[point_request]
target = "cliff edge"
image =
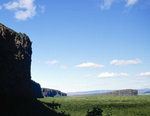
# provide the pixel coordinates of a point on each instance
(15, 63)
(18, 92)
(52, 93)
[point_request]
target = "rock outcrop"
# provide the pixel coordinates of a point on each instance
(15, 63)
(17, 92)
(51, 92)
(36, 89)
(125, 92)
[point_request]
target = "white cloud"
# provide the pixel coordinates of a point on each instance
(106, 74)
(56, 63)
(131, 2)
(11, 5)
(144, 74)
(125, 62)
(89, 65)
(52, 62)
(106, 4)
(23, 9)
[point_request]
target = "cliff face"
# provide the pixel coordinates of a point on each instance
(15, 63)
(51, 92)
(36, 90)
(126, 92)
(17, 90)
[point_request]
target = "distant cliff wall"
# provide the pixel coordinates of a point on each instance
(125, 92)
(51, 92)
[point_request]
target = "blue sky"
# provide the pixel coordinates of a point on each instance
(81, 45)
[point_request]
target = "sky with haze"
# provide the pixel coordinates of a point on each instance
(82, 45)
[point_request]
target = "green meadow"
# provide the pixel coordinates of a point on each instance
(111, 105)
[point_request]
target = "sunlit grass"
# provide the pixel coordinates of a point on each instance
(118, 105)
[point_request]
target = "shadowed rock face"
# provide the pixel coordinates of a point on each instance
(17, 90)
(15, 63)
(51, 92)
(36, 89)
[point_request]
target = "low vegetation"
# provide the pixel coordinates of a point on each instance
(110, 105)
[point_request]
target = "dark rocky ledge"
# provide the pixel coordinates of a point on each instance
(52, 92)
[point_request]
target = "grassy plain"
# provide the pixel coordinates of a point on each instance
(115, 105)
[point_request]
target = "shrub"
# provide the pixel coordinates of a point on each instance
(96, 111)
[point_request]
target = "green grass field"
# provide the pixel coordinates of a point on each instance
(118, 105)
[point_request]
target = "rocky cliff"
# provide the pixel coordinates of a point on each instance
(125, 92)
(17, 90)
(51, 92)
(15, 63)
(36, 89)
